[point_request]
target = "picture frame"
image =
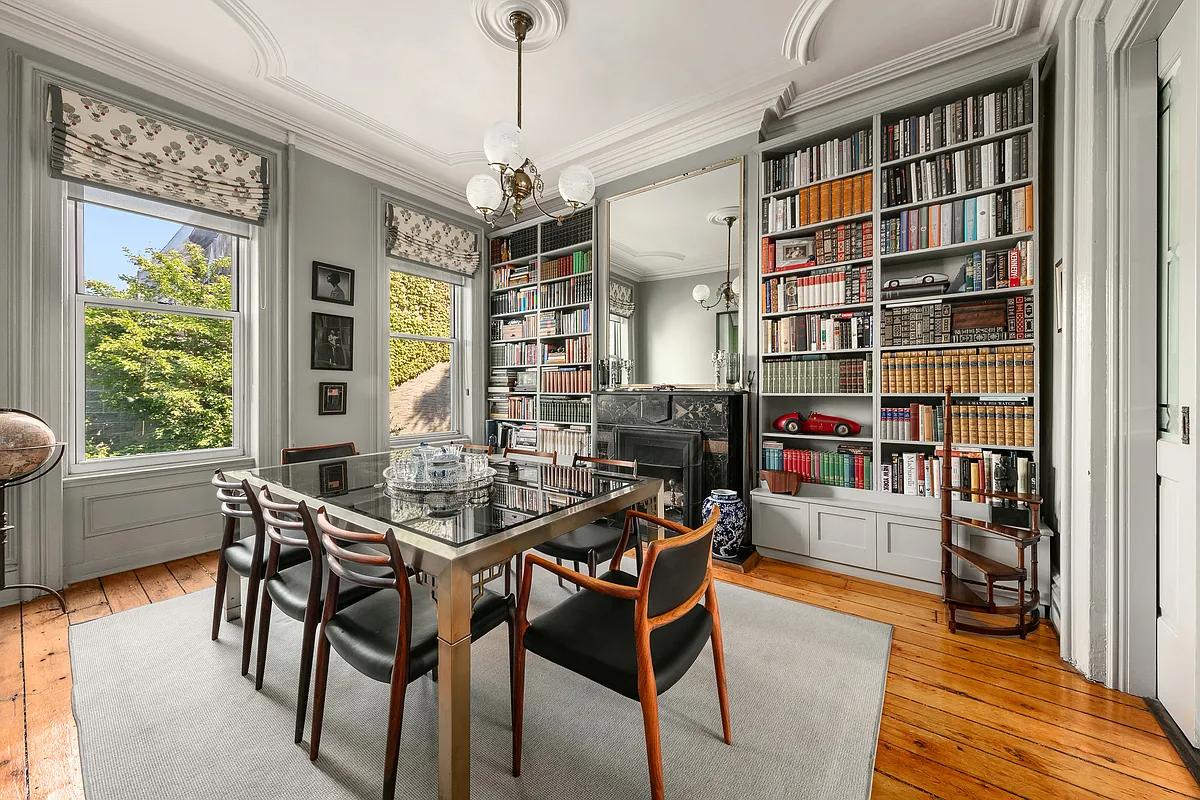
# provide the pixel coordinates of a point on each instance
(332, 342)
(332, 284)
(332, 478)
(332, 399)
(1058, 294)
(794, 252)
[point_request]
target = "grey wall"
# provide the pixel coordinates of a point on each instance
(676, 336)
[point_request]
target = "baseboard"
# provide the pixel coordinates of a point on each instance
(1189, 754)
(742, 567)
(146, 557)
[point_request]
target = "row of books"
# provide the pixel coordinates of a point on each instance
(818, 203)
(554, 409)
(517, 328)
(849, 467)
(817, 375)
(817, 163)
(501, 382)
(502, 434)
(992, 370)
(999, 269)
(961, 121)
(849, 241)
(567, 380)
(514, 300)
(566, 443)
(980, 167)
(568, 351)
(938, 322)
(1001, 424)
(971, 471)
(568, 292)
(821, 288)
(526, 499)
(576, 263)
(514, 355)
(517, 406)
(815, 332)
(560, 322)
(971, 220)
(512, 275)
(576, 479)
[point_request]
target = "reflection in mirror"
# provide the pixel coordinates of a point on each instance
(675, 279)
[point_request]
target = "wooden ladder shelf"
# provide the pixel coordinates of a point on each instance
(961, 593)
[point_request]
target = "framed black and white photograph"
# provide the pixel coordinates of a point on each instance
(332, 342)
(794, 252)
(333, 284)
(333, 399)
(333, 478)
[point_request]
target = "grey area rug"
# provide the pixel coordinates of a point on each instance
(163, 714)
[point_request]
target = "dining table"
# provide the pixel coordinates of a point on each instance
(462, 540)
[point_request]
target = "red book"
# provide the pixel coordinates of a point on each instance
(914, 422)
(858, 472)
(1014, 267)
(766, 257)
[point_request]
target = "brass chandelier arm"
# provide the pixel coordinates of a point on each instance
(538, 188)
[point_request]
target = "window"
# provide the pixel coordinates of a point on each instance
(423, 354)
(618, 336)
(157, 330)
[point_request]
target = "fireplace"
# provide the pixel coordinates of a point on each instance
(673, 454)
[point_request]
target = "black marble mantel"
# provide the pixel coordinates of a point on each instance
(720, 416)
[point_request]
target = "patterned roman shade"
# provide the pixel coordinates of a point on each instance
(620, 299)
(418, 237)
(99, 142)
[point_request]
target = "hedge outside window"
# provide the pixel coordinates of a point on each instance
(423, 355)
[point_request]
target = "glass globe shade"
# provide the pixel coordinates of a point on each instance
(700, 292)
(503, 146)
(577, 185)
(484, 193)
(737, 287)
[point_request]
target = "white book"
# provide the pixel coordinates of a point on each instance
(1018, 210)
(936, 483)
(981, 217)
(1009, 172)
(956, 471)
(885, 477)
(910, 473)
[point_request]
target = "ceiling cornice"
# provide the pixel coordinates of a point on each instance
(629, 252)
(798, 39)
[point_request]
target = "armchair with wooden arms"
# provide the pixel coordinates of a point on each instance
(604, 632)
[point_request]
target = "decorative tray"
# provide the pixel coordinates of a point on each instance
(395, 486)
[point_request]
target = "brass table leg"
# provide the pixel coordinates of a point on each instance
(454, 684)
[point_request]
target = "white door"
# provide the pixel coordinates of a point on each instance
(1178, 305)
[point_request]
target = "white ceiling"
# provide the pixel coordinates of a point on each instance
(411, 86)
(665, 232)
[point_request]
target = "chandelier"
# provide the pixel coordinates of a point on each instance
(728, 291)
(519, 178)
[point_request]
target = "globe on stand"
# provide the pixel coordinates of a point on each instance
(26, 445)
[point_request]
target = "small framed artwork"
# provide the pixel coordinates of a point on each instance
(794, 252)
(333, 478)
(332, 284)
(333, 399)
(332, 342)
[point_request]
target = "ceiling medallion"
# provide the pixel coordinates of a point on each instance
(728, 291)
(494, 18)
(504, 148)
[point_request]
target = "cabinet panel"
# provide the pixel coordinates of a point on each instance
(844, 535)
(781, 527)
(909, 546)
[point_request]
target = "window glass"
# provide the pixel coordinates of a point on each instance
(421, 306)
(422, 355)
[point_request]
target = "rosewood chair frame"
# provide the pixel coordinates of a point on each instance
(644, 625)
(238, 503)
(478, 448)
(531, 456)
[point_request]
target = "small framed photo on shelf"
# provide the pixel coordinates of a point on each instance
(332, 342)
(333, 399)
(332, 477)
(795, 252)
(332, 284)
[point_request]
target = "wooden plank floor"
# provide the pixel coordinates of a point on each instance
(963, 717)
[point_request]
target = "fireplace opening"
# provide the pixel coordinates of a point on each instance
(676, 456)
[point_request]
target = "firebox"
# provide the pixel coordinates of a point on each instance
(674, 455)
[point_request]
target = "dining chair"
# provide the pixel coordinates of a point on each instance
(530, 456)
(478, 448)
(604, 632)
(392, 638)
(246, 555)
(595, 541)
(300, 455)
(297, 591)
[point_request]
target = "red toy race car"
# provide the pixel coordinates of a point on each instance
(796, 422)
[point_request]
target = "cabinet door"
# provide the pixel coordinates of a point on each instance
(842, 535)
(909, 546)
(781, 527)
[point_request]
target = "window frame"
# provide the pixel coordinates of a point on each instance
(78, 300)
(455, 340)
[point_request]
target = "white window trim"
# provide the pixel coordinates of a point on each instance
(245, 265)
(459, 298)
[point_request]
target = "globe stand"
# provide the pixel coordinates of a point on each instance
(5, 527)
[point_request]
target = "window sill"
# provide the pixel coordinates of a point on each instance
(157, 470)
(400, 442)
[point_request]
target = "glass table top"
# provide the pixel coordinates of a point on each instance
(520, 493)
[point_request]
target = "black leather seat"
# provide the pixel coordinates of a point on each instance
(240, 555)
(289, 589)
(575, 545)
(592, 634)
(364, 634)
(301, 455)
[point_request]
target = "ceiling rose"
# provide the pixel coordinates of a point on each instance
(494, 18)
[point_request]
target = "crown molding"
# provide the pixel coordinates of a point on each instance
(629, 252)
(798, 38)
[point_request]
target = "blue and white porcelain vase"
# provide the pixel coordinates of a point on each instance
(731, 527)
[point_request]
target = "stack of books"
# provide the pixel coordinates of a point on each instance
(974, 369)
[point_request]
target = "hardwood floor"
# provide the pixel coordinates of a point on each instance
(964, 716)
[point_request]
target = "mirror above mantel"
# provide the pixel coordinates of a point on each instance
(674, 254)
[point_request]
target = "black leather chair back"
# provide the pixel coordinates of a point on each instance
(300, 455)
(678, 572)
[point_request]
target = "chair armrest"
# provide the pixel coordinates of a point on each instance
(653, 520)
(584, 581)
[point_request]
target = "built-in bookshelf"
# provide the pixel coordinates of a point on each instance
(541, 345)
(899, 255)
